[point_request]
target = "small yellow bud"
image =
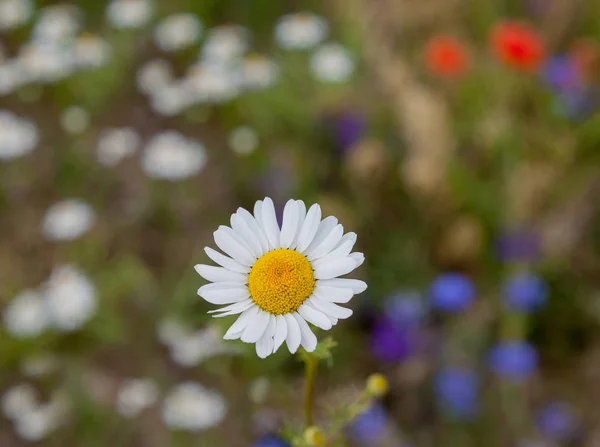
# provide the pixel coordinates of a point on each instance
(377, 385)
(314, 436)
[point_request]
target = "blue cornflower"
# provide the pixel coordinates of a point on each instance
(457, 391)
(556, 420)
(513, 360)
(525, 292)
(349, 129)
(271, 440)
(390, 342)
(452, 292)
(369, 426)
(561, 73)
(405, 308)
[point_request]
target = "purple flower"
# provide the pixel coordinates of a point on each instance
(556, 420)
(457, 391)
(562, 74)
(390, 342)
(271, 440)
(349, 128)
(406, 308)
(451, 292)
(518, 245)
(525, 292)
(513, 360)
(369, 426)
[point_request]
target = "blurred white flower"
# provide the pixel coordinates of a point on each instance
(70, 297)
(170, 330)
(18, 136)
(45, 62)
(258, 71)
(19, 400)
(129, 13)
(74, 119)
(116, 144)
(154, 75)
(67, 220)
(169, 155)
(57, 23)
(331, 62)
(136, 395)
(300, 31)
(177, 31)
(170, 100)
(10, 76)
(40, 421)
(193, 349)
(26, 315)
(190, 406)
(90, 51)
(243, 140)
(14, 13)
(225, 44)
(39, 365)
(212, 83)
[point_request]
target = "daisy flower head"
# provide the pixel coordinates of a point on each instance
(300, 31)
(14, 13)
(332, 63)
(278, 279)
(129, 13)
(177, 32)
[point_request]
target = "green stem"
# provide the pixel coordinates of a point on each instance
(311, 363)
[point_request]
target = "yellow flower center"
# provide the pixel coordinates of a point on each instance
(280, 281)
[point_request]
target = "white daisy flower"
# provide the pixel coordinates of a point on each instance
(170, 100)
(75, 119)
(70, 297)
(46, 62)
(26, 315)
(177, 31)
(116, 144)
(225, 44)
(243, 140)
(19, 400)
(135, 395)
(190, 406)
(279, 279)
(171, 156)
(57, 23)
(14, 13)
(258, 71)
(154, 75)
(90, 51)
(18, 136)
(129, 13)
(331, 62)
(40, 421)
(67, 220)
(300, 31)
(212, 83)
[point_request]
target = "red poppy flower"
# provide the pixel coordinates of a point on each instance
(518, 45)
(446, 56)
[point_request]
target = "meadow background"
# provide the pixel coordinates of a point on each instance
(459, 139)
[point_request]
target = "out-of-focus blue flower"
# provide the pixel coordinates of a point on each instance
(370, 425)
(457, 391)
(562, 74)
(576, 104)
(405, 308)
(556, 420)
(452, 292)
(390, 342)
(349, 128)
(271, 441)
(513, 360)
(518, 245)
(525, 292)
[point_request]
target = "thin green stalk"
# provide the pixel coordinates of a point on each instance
(311, 363)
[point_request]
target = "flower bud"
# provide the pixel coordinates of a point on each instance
(313, 436)
(377, 385)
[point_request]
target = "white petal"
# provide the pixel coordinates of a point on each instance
(220, 274)
(270, 225)
(326, 226)
(359, 258)
(226, 261)
(328, 244)
(314, 316)
(333, 294)
(281, 332)
(333, 320)
(341, 251)
(256, 327)
(264, 346)
(337, 267)
(309, 340)
(289, 229)
(233, 309)
(309, 228)
(356, 285)
(258, 213)
(348, 237)
(228, 243)
(294, 336)
(301, 217)
(243, 230)
(253, 224)
(236, 329)
(330, 309)
(226, 294)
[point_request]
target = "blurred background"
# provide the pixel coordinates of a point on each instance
(458, 138)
